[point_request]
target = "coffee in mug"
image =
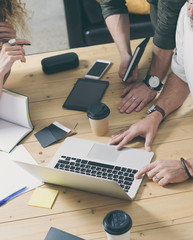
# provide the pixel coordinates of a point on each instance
(117, 225)
(98, 117)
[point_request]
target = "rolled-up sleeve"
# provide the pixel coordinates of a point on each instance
(111, 7)
(167, 16)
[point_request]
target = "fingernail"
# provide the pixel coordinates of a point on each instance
(148, 149)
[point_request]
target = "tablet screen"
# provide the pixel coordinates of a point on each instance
(84, 93)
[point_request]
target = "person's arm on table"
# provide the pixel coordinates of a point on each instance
(161, 171)
(161, 60)
(171, 98)
(166, 171)
(138, 95)
(173, 171)
(119, 26)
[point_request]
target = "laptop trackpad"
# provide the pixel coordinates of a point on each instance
(103, 152)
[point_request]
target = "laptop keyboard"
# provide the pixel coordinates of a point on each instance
(123, 176)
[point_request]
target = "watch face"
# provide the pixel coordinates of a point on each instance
(154, 81)
(151, 109)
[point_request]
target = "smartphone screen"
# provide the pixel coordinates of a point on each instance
(98, 69)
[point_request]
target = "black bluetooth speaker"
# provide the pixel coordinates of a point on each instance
(60, 63)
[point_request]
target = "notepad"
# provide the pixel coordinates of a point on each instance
(43, 197)
(15, 121)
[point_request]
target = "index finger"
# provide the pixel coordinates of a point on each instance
(126, 90)
(128, 136)
(22, 42)
(144, 170)
(5, 24)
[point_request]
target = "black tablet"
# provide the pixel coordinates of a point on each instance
(135, 59)
(84, 93)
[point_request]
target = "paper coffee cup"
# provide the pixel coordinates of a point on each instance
(117, 225)
(98, 117)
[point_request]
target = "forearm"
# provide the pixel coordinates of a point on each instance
(161, 61)
(119, 27)
(173, 94)
(172, 97)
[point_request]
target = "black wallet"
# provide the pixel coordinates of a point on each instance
(60, 63)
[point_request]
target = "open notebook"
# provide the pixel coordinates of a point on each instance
(15, 121)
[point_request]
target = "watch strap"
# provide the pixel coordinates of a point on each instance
(185, 167)
(156, 108)
(159, 109)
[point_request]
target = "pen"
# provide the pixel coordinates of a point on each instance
(15, 194)
(7, 40)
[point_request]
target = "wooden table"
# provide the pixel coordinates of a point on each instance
(157, 212)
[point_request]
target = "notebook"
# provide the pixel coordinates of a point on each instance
(94, 167)
(15, 121)
(135, 59)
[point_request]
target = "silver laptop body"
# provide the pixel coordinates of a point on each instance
(98, 154)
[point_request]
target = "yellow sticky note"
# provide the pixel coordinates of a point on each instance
(43, 197)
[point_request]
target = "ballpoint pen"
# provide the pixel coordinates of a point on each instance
(11, 40)
(11, 196)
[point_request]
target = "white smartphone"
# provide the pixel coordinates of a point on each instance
(98, 69)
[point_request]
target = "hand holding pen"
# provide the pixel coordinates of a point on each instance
(14, 41)
(12, 51)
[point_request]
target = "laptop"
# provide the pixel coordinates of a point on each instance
(94, 167)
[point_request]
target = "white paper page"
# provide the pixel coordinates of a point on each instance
(14, 108)
(13, 177)
(10, 135)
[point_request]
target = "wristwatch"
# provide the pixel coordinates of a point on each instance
(153, 82)
(154, 108)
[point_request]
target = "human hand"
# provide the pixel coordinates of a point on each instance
(123, 68)
(136, 96)
(146, 128)
(8, 55)
(164, 172)
(7, 31)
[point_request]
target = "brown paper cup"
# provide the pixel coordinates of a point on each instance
(99, 127)
(98, 115)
